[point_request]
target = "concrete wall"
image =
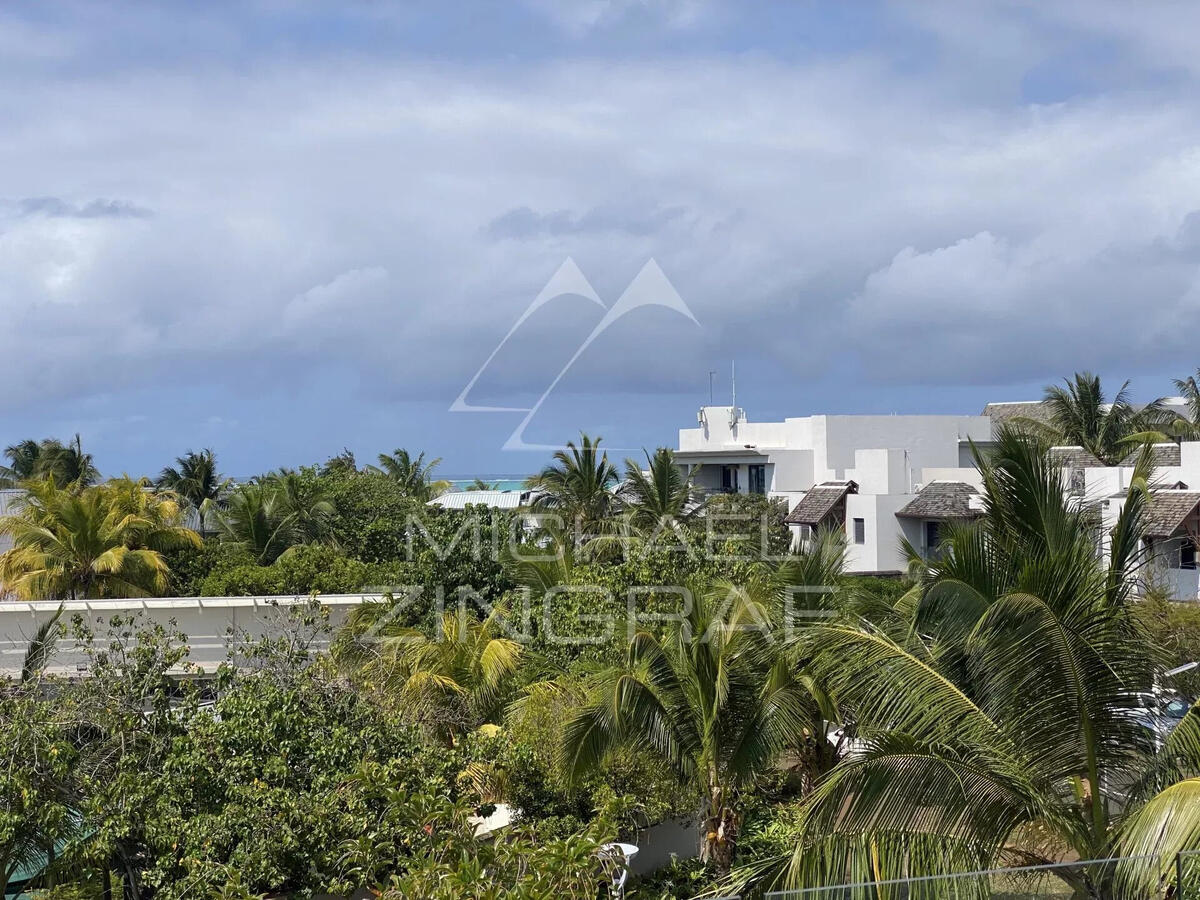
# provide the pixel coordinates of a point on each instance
(880, 552)
(791, 470)
(929, 440)
(969, 476)
(207, 621)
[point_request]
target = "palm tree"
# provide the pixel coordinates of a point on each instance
(413, 474)
(1080, 416)
(270, 516)
(195, 479)
(67, 464)
(480, 485)
(578, 485)
(453, 682)
(89, 543)
(308, 503)
(661, 496)
(1189, 390)
(1005, 708)
(342, 464)
(712, 698)
(22, 462)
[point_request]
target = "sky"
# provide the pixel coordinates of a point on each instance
(281, 229)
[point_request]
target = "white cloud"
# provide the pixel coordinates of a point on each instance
(393, 217)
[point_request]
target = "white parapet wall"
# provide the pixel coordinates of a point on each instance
(208, 623)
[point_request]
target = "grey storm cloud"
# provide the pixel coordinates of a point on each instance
(846, 216)
(56, 207)
(523, 223)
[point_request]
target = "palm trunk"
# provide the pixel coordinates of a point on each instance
(720, 826)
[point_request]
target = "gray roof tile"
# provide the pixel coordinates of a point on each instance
(819, 502)
(944, 500)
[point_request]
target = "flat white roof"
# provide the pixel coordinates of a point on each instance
(122, 604)
(463, 499)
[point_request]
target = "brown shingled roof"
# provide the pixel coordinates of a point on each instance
(1077, 458)
(1167, 510)
(943, 500)
(1002, 413)
(819, 502)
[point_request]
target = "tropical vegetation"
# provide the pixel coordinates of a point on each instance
(596, 664)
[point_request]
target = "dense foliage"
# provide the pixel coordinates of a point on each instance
(623, 653)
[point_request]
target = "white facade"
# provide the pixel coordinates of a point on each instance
(208, 623)
(887, 457)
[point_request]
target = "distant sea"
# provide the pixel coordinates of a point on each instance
(498, 482)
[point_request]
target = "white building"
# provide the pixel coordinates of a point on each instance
(885, 480)
(210, 623)
(859, 473)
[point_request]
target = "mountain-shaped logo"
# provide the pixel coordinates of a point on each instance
(649, 288)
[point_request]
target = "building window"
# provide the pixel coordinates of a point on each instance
(729, 479)
(1187, 555)
(758, 479)
(933, 535)
(1078, 482)
(860, 531)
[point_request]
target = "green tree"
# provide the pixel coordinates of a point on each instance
(451, 682)
(480, 485)
(413, 474)
(196, 480)
(37, 786)
(23, 458)
(712, 698)
(269, 516)
(997, 725)
(67, 464)
(660, 497)
(342, 464)
(1081, 416)
(578, 485)
(1186, 425)
(103, 541)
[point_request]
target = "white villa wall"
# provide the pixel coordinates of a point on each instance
(205, 620)
(716, 433)
(882, 454)
(791, 470)
(880, 551)
(965, 475)
(929, 440)
(880, 472)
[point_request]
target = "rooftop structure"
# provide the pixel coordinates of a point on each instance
(208, 623)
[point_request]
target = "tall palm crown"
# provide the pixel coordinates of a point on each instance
(196, 480)
(270, 516)
(1188, 425)
(22, 462)
(413, 474)
(578, 485)
(67, 464)
(104, 541)
(1080, 415)
(714, 697)
(661, 494)
(451, 682)
(1000, 720)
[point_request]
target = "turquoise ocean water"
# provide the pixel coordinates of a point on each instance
(498, 483)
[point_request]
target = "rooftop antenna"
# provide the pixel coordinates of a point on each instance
(733, 412)
(711, 373)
